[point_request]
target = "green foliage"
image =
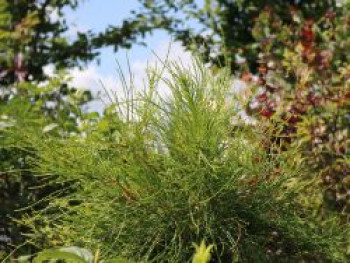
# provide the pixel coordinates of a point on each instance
(50, 108)
(176, 170)
(67, 254)
(31, 38)
(57, 254)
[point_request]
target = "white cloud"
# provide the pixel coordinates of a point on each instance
(164, 51)
(49, 70)
(87, 78)
(98, 83)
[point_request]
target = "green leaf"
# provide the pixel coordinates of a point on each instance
(58, 254)
(50, 127)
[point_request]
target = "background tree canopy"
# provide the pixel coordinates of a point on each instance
(32, 35)
(219, 29)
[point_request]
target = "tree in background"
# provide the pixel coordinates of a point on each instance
(219, 29)
(32, 35)
(303, 84)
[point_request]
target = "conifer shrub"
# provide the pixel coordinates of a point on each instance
(159, 172)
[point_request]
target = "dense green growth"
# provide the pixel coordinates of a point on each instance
(32, 35)
(51, 108)
(176, 169)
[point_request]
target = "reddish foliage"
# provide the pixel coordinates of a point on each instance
(311, 90)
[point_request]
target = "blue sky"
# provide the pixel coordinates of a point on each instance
(97, 15)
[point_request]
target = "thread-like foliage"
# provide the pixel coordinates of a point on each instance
(158, 173)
